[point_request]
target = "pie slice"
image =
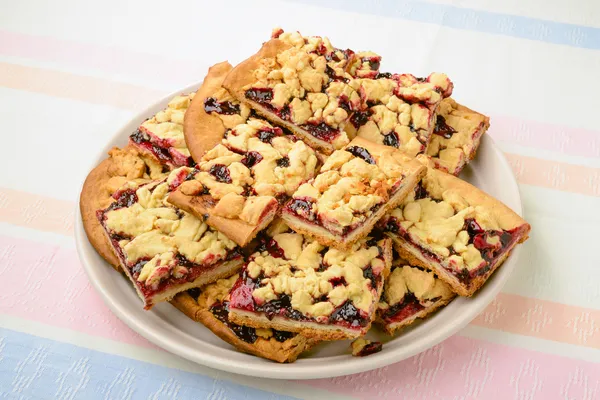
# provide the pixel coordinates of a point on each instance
(238, 185)
(162, 135)
(302, 86)
(457, 133)
(121, 166)
(410, 292)
(164, 250)
(398, 110)
(210, 307)
(452, 228)
(355, 188)
(295, 284)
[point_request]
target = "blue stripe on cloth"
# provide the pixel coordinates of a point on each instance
(34, 367)
(473, 20)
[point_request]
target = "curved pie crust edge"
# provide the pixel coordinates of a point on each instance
(203, 131)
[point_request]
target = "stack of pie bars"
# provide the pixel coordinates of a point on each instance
(299, 197)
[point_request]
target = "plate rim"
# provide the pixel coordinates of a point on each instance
(300, 369)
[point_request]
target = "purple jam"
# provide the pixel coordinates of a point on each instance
(391, 139)
(270, 245)
(359, 118)
(221, 311)
(371, 348)
(283, 162)
(349, 314)
(125, 198)
(361, 152)
(321, 131)
(442, 128)
(221, 173)
(368, 274)
(302, 207)
(409, 305)
(221, 107)
(260, 95)
(251, 159)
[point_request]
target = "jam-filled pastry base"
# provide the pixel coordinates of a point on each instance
(162, 249)
(456, 136)
(454, 229)
(210, 306)
(354, 189)
(294, 284)
(410, 293)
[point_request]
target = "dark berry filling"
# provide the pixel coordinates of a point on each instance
(385, 75)
(303, 208)
(251, 159)
(391, 139)
(321, 131)
(282, 336)
(359, 118)
(283, 162)
(137, 267)
(266, 135)
(374, 62)
(221, 311)
(221, 107)
(420, 191)
(159, 150)
(349, 314)
(371, 348)
(221, 173)
(270, 245)
(442, 128)
(337, 281)
(123, 198)
(332, 75)
(368, 274)
(194, 292)
(409, 306)
(260, 95)
(361, 152)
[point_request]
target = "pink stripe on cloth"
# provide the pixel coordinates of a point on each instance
(47, 284)
(539, 135)
(103, 58)
(464, 368)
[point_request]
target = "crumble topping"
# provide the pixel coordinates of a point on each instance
(316, 278)
(351, 185)
(165, 129)
(398, 111)
(154, 234)
(444, 223)
(218, 291)
(254, 166)
(456, 136)
(423, 284)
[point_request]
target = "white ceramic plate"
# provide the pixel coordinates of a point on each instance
(173, 331)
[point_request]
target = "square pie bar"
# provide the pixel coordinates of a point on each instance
(162, 135)
(301, 86)
(295, 284)
(162, 249)
(457, 133)
(398, 110)
(410, 292)
(210, 307)
(238, 185)
(454, 229)
(355, 188)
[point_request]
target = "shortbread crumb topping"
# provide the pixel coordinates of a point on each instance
(423, 284)
(350, 186)
(316, 278)
(151, 233)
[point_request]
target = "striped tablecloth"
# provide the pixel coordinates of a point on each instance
(72, 72)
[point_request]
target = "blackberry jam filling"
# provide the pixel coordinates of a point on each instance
(282, 336)
(359, 118)
(361, 152)
(221, 173)
(409, 305)
(283, 162)
(348, 314)
(391, 139)
(321, 131)
(125, 198)
(371, 348)
(266, 135)
(194, 292)
(270, 245)
(260, 95)
(251, 159)
(368, 274)
(442, 128)
(224, 107)
(221, 311)
(281, 307)
(303, 208)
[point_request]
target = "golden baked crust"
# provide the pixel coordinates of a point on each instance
(121, 166)
(355, 188)
(457, 135)
(204, 130)
(410, 294)
(455, 229)
(265, 344)
(297, 285)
